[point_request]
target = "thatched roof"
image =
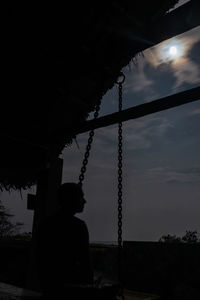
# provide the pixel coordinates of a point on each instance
(58, 62)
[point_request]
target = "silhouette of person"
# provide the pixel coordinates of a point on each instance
(63, 243)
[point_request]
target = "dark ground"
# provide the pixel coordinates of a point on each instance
(169, 270)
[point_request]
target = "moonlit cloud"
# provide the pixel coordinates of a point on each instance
(164, 50)
(161, 162)
(186, 72)
(183, 67)
(175, 176)
(139, 81)
(195, 111)
(138, 134)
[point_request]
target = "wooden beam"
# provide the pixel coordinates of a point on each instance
(178, 21)
(142, 110)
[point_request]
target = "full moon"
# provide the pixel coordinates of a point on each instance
(173, 50)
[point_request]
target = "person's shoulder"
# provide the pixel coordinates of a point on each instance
(82, 229)
(79, 221)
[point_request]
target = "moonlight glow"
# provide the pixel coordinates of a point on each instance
(171, 50)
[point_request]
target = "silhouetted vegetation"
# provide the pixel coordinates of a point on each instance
(189, 237)
(25, 236)
(15, 254)
(8, 228)
(171, 270)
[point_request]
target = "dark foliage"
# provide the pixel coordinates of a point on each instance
(8, 228)
(189, 237)
(59, 61)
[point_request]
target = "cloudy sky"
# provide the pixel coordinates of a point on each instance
(161, 169)
(161, 151)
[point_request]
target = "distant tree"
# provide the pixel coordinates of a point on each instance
(170, 239)
(26, 236)
(7, 228)
(189, 237)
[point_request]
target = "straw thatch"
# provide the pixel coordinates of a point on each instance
(58, 62)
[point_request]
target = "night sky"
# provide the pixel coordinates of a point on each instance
(161, 169)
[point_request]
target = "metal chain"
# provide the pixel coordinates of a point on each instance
(88, 147)
(120, 171)
(120, 187)
(84, 167)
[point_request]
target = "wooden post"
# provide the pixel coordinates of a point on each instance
(45, 204)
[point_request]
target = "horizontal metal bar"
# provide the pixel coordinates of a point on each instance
(142, 110)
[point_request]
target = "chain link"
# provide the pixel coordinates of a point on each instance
(120, 189)
(120, 165)
(120, 186)
(88, 147)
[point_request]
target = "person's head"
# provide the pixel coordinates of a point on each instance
(71, 197)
